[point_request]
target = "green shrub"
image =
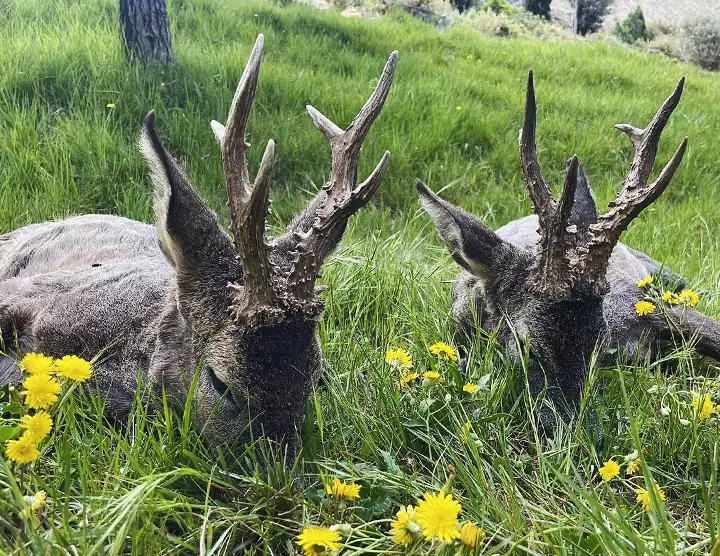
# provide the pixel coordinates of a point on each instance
(633, 28)
(498, 7)
(538, 7)
(701, 42)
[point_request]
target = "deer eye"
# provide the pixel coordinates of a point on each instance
(220, 387)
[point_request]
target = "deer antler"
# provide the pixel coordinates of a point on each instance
(635, 195)
(256, 299)
(341, 196)
(553, 273)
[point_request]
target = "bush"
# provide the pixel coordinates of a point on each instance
(539, 7)
(633, 28)
(590, 15)
(701, 42)
(498, 7)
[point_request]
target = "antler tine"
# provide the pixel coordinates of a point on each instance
(248, 203)
(537, 187)
(553, 271)
(635, 194)
(341, 196)
(646, 140)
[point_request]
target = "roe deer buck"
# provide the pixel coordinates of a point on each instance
(558, 284)
(179, 296)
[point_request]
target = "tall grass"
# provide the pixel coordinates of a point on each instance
(151, 487)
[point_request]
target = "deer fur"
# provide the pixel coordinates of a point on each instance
(557, 285)
(183, 296)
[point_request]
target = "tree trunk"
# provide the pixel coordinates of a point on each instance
(146, 31)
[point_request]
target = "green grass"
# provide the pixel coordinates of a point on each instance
(152, 487)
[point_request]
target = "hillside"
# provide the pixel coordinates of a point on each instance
(70, 112)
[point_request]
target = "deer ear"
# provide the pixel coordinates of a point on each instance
(190, 235)
(472, 244)
(584, 210)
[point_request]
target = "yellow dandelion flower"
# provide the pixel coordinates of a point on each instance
(407, 378)
(437, 515)
(703, 406)
(470, 388)
(433, 376)
(645, 282)
(36, 502)
(316, 541)
(110, 105)
(609, 470)
(458, 108)
(643, 496)
(37, 364)
(443, 351)
(37, 426)
(633, 466)
(74, 368)
(689, 298)
(643, 308)
(670, 298)
(40, 391)
(471, 535)
(404, 528)
(340, 489)
(22, 450)
(464, 431)
(398, 358)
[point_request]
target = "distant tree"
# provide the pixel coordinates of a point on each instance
(539, 7)
(701, 42)
(589, 15)
(146, 31)
(462, 5)
(633, 28)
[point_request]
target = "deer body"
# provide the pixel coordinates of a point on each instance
(558, 285)
(185, 298)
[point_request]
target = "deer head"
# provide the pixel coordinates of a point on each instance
(547, 300)
(245, 307)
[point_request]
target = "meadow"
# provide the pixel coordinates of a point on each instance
(70, 113)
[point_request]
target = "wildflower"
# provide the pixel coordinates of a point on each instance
(340, 489)
(433, 375)
(643, 496)
(74, 368)
(653, 389)
(37, 364)
(443, 351)
(703, 406)
(398, 358)
(643, 308)
(684, 422)
(645, 282)
(458, 108)
(470, 388)
(40, 391)
(664, 410)
(316, 541)
(633, 466)
(464, 431)
(670, 298)
(404, 528)
(110, 105)
(407, 378)
(471, 535)
(22, 450)
(36, 502)
(609, 470)
(689, 298)
(437, 514)
(37, 426)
